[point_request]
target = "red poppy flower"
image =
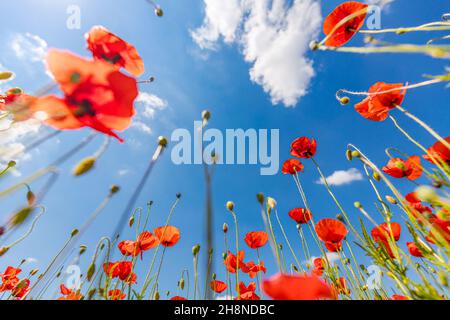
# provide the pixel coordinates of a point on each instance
(319, 266)
(247, 292)
(399, 297)
(167, 236)
(398, 168)
(254, 269)
(218, 286)
(377, 105)
(96, 95)
(122, 270)
(347, 30)
(145, 241)
(178, 298)
(416, 204)
(440, 229)
(231, 262)
(439, 151)
(304, 147)
(106, 46)
(289, 287)
(256, 239)
(341, 287)
(383, 232)
(21, 289)
(292, 166)
(414, 250)
(69, 294)
(18, 104)
(300, 215)
(9, 278)
(116, 294)
(332, 232)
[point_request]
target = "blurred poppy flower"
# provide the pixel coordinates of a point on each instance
(231, 262)
(116, 294)
(414, 250)
(348, 29)
(383, 232)
(300, 215)
(178, 298)
(332, 232)
(319, 266)
(69, 294)
(247, 292)
(416, 204)
(168, 236)
(18, 104)
(292, 166)
(254, 269)
(21, 289)
(218, 286)
(439, 151)
(440, 229)
(377, 105)
(145, 241)
(256, 239)
(398, 168)
(303, 147)
(108, 47)
(399, 297)
(341, 287)
(9, 278)
(96, 95)
(289, 287)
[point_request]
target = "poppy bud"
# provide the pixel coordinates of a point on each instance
(114, 189)
(31, 198)
(314, 45)
(391, 200)
(271, 202)
(162, 141)
(157, 296)
(206, 115)
(83, 249)
(3, 250)
(295, 268)
(348, 155)
(74, 233)
(131, 221)
(214, 276)
(225, 228)
(210, 251)
(90, 272)
(182, 283)
(280, 246)
(91, 293)
(178, 195)
(358, 205)
(6, 75)
(340, 218)
(224, 256)
(84, 166)
(159, 12)
(12, 164)
(33, 272)
(196, 249)
(230, 205)
(22, 284)
(260, 198)
(21, 216)
(356, 154)
(376, 176)
(344, 100)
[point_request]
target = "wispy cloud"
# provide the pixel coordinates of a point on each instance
(150, 104)
(274, 36)
(142, 127)
(343, 177)
(29, 47)
(12, 135)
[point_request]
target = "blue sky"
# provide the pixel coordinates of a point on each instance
(190, 79)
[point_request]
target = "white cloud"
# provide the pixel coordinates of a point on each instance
(151, 103)
(332, 258)
(139, 125)
(342, 177)
(30, 47)
(12, 135)
(274, 37)
(123, 172)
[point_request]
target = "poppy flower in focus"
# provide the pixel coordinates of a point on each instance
(414, 250)
(300, 215)
(256, 239)
(145, 241)
(383, 232)
(108, 47)
(377, 105)
(439, 151)
(292, 166)
(289, 287)
(116, 294)
(178, 298)
(232, 264)
(254, 269)
(319, 266)
(218, 286)
(9, 278)
(122, 270)
(304, 147)
(398, 168)
(347, 30)
(332, 232)
(247, 292)
(96, 95)
(168, 236)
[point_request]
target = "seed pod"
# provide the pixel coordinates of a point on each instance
(391, 200)
(348, 155)
(162, 141)
(271, 202)
(84, 166)
(206, 115)
(114, 189)
(12, 164)
(74, 232)
(196, 249)
(3, 251)
(182, 283)
(344, 100)
(358, 205)
(260, 198)
(230, 205)
(131, 221)
(83, 249)
(159, 12)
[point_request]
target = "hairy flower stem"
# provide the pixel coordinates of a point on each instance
(277, 248)
(237, 251)
(195, 276)
(432, 26)
(152, 291)
(436, 51)
(287, 239)
(227, 272)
